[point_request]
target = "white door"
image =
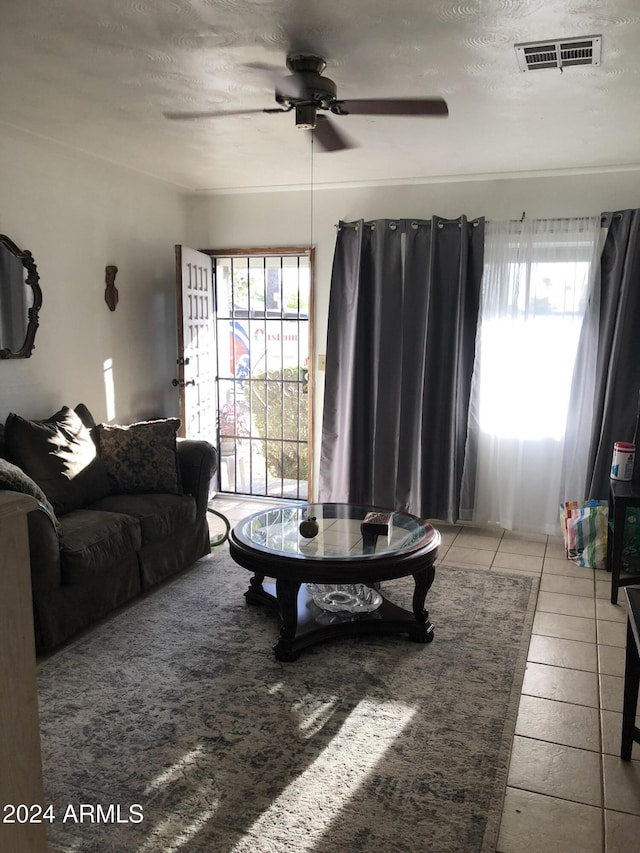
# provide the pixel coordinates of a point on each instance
(196, 379)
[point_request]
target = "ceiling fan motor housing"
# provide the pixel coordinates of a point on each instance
(308, 87)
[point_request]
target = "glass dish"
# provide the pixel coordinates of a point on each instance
(352, 598)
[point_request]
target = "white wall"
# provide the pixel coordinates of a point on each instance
(263, 219)
(77, 215)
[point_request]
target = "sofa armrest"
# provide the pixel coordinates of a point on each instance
(198, 461)
(44, 551)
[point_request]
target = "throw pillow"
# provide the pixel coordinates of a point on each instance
(15, 480)
(59, 454)
(142, 457)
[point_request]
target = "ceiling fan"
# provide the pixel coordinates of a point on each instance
(307, 92)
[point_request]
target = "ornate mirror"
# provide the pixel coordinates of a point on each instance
(20, 300)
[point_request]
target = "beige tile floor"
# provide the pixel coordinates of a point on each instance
(567, 789)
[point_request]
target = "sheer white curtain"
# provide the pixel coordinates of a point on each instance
(539, 295)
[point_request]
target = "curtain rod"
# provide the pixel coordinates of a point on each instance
(415, 223)
(603, 217)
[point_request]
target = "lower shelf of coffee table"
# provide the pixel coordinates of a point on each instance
(315, 625)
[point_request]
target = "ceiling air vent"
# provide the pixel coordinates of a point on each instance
(560, 53)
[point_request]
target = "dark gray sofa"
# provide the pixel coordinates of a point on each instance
(120, 510)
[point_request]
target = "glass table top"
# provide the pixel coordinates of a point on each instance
(340, 532)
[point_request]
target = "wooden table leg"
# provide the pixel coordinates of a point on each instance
(630, 704)
(423, 579)
(256, 594)
(287, 595)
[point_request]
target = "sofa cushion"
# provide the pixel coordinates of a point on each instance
(93, 541)
(141, 457)
(159, 515)
(15, 480)
(59, 454)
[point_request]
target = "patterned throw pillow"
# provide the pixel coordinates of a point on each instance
(15, 480)
(142, 457)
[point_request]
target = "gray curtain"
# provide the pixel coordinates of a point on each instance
(400, 347)
(618, 360)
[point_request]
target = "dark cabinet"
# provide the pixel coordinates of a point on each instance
(624, 566)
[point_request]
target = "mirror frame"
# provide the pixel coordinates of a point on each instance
(33, 280)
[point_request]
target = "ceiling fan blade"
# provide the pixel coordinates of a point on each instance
(213, 114)
(286, 84)
(328, 136)
(396, 107)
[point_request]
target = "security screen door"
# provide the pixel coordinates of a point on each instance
(263, 322)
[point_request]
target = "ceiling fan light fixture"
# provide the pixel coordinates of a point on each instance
(305, 116)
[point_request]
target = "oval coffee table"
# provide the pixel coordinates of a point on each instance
(350, 549)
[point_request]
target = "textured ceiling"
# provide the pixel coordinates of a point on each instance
(98, 74)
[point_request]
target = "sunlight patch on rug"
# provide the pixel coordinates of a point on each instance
(314, 712)
(172, 773)
(318, 795)
(172, 835)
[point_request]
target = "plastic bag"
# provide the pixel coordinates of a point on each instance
(584, 527)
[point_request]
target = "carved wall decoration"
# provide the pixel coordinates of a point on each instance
(111, 292)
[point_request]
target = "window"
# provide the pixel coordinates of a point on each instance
(537, 281)
(528, 347)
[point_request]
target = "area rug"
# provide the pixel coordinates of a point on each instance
(171, 728)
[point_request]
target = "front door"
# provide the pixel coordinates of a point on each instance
(196, 345)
